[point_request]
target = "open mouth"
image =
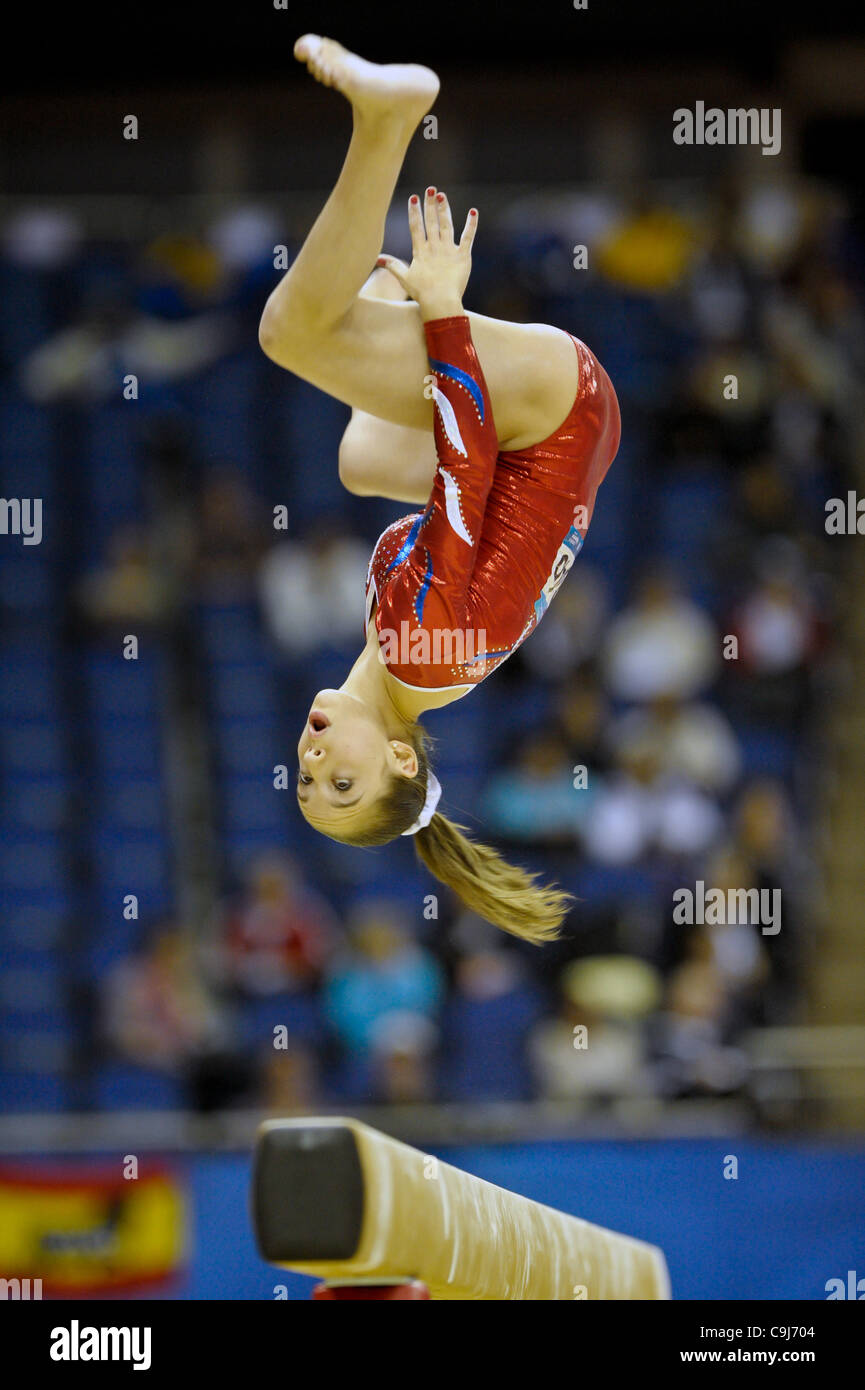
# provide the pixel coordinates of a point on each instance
(318, 722)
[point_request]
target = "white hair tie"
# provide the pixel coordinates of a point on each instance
(433, 795)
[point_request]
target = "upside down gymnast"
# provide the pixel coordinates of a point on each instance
(505, 458)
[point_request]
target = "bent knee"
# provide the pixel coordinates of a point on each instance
(291, 334)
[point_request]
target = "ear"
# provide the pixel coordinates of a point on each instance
(402, 758)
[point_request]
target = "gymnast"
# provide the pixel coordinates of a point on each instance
(502, 432)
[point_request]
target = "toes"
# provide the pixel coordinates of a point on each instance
(305, 46)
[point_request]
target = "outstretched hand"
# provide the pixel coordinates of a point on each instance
(440, 267)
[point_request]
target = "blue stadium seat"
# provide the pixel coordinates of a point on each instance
(126, 745)
(35, 804)
(230, 633)
(767, 752)
(128, 803)
(252, 804)
(35, 916)
(32, 861)
(223, 420)
(127, 864)
(28, 682)
(119, 687)
(25, 582)
(251, 747)
(300, 1014)
(243, 691)
(484, 1057)
(32, 1092)
(34, 747)
(120, 1086)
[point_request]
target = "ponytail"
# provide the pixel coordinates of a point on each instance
(502, 893)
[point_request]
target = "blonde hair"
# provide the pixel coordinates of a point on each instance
(501, 893)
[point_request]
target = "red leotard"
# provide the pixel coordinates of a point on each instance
(500, 530)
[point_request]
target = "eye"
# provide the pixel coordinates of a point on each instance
(303, 779)
(342, 785)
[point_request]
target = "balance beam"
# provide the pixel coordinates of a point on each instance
(337, 1199)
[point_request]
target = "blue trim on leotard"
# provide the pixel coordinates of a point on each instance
(406, 547)
(458, 375)
(424, 588)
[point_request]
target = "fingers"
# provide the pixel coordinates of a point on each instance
(435, 222)
(431, 215)
(446, 226)
(469, 230)
(396, 267)
(415, 224)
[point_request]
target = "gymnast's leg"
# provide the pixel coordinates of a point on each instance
(369, 353)
(376, 457)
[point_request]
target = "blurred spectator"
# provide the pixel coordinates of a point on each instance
(312, 590)
(779, 634)
(403, 1046)
(572, 628)
(535, 800)
(158, 1012)
(693, 1057)
(231, 539)
(743, 276)
(662, 645)
(641, 810)
(594, 1048)
(89, 361)
(129, 587)
(691, 741)
(767, 836)
(281, 933)
(288, 1079)
(737, 943)
(764, 827)
(696, 1059)
(650, 250)
(42, 238)
(582, 715)
(817, 330)
(382, 972)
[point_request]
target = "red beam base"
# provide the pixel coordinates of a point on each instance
(343, 1292)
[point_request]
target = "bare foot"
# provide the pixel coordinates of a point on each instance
(382, 285)
(374, 89)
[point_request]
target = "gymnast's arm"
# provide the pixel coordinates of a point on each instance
(465, 433)
(467, 447)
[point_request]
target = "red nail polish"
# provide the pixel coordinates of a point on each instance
(440, 197)
(430, 192)
(473, 212)
(414, 198)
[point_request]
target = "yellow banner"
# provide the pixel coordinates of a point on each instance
(81, 1231)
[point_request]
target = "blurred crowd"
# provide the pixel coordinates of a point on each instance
(681, 671)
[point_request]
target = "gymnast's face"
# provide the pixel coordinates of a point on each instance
(345, 761)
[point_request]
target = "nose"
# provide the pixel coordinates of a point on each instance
(313, 754)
